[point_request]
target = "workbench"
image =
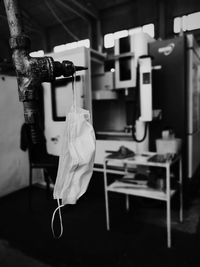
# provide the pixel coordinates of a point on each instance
(148, 192)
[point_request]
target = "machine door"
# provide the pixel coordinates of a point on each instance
(193, 96)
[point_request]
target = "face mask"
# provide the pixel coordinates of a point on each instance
(76, 159)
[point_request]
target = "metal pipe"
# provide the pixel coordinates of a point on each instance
(14, 17)
(31, 71)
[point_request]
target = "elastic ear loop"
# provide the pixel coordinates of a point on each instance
(60, 206)
(74, 91)
(60, 217)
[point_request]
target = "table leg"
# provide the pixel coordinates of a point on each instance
(168, 207)
(181, 190)
(127, 196)
(127, 203)
(106, 198)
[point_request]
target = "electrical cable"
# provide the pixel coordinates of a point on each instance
(60, 21)
(144, 136)
(136, 112)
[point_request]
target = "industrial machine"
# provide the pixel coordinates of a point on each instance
(121, 112)
(156, 87)
(113, 110)
(176, 90)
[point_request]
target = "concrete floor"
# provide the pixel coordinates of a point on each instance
(11, 257)
(137, 238)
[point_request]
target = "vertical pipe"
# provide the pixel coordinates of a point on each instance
(168, 206)
(106, 195)
(127, 202)
(20, 45)
(14, 17)
(181, 189)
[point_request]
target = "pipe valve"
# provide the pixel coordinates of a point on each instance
(66, 68)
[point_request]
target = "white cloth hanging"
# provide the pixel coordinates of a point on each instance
(76, 160)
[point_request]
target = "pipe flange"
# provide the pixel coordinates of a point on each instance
(30, 116)
(21, 41)
(43, 69)
(50, 61)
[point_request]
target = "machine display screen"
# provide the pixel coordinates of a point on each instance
(146, 78)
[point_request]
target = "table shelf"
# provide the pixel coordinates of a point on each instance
(148, 192)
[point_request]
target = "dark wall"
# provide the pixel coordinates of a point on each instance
(5, 53)
(129, 15)
(57, 35)
(183, 7)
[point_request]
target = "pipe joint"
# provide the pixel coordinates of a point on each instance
(28, 93)
(42, 69)
(20, 42)
(31, 114)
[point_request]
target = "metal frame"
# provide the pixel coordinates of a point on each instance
(155, 194)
